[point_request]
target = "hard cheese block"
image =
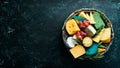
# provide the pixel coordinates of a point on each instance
(98, 20)
(72, 27)
(98, 37)
(90, 30)
(106, 36)
(77, 51)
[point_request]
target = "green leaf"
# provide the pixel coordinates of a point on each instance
(98, 31)
(98, 56)
(102, 46)
(78, 41)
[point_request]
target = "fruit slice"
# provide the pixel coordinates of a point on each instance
(98, 37)
(90, 30)
(77, 51)
(98, 20)
(106, 36)
(87, 41)
(72, 27)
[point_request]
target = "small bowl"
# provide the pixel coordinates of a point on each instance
(105, 18)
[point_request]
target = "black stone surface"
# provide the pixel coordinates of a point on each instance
(30, 33)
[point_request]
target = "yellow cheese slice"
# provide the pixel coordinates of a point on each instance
(77, 51)
(98, 37)
(72, 27)
(82, 14)
(101, 50)
(106, 36)
(91, 19)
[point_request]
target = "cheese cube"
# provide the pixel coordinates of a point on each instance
(77, 51)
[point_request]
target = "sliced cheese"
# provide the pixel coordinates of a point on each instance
(82, 14)
(72, 27)
(77, 51)
(106, 36)
(87, 41)
(90, 18)
(90, 30)
(100, 50)
(71, 42)
(98, 37)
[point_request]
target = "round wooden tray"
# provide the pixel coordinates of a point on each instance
(105, 18)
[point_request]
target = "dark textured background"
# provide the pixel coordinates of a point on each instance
(30, 33)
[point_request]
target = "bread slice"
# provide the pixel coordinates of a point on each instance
(72, 27)
(98, 37)
(77, 51)
(106, 36)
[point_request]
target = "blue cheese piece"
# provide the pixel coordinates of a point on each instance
(90, 30)
(71, 42)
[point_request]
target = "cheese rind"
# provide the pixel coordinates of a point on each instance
(90, 30)
(77, 51)
(72, 27)
(71, 42)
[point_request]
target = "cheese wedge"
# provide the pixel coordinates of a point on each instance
(98, 37)
(82, 14)
(90, 30)
(77, 51)
(87, 41)
(106, 36)
(72, 27)
(90, 18)
(100, 50)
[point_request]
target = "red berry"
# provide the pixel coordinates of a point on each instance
(85, 23)
(80, 37)
(83, 34)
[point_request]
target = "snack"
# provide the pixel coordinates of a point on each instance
(98, 37)
(98, 20)
(72, 27)
(87, 34)
(87, 42)
(106, 36)
(92, 50)
(77, 51)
